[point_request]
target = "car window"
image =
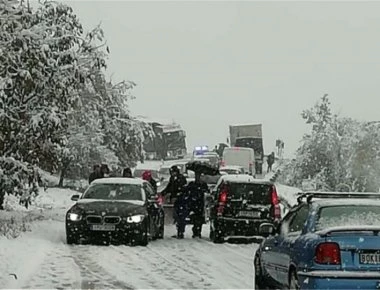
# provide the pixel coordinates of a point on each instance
(347, 215)
(254, 193)
(114, 192)
(298, 221)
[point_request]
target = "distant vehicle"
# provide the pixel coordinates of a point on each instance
(213, 157)
(125, 210)
(327, 241)
(232, 169)
(237, 156)
(200, 150)
(168, 141)
(240, 205)
(249, 136)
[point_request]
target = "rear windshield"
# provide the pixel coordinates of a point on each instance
(347, 215)
(254, 193)
(114, 192)
(231, 171)
(139, 172)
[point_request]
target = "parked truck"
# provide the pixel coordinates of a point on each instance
(249, 136)
(167, 140)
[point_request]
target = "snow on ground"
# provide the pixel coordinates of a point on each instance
(41, 258)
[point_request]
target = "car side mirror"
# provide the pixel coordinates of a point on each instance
(267, 229)
(75, 197)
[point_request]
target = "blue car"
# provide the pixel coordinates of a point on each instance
(327, 241)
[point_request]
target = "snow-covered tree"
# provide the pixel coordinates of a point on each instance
(337, 153)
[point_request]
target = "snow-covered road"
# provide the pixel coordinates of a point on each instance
(42, 259)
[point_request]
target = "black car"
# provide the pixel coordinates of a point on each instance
(240, 205)
(126, 210)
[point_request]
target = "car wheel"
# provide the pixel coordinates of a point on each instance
(259, 277)
(293, 281)
(71, 240)
(144, 240)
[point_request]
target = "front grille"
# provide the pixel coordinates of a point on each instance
(112, 219)
(94, 219)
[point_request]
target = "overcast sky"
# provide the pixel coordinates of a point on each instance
(208, 65)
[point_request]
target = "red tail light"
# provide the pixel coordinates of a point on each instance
(223, 197)
(328, 254)
(274, 196)
(275, 203)
(222, 201)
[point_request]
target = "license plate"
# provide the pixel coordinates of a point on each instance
(370, 259)
(253, 214)
(103, 227)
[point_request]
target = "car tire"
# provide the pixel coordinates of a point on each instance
(293, 281)
(215, 236)
(259, 276)
(70, 240)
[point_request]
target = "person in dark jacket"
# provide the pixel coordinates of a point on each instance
(104, 170)
(176, 185)
(147, 175)
(196, 191)
(176, 189)
(96, 174)
(270, 161)
(127, 172)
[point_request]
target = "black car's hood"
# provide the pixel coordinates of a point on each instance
(109, 207)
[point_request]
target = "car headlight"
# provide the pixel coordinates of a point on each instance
(74, 217)
(158, 183)
(135, 218)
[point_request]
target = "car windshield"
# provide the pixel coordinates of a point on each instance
(347, 215)
(114, 192)
(139, 172)
(254, 193)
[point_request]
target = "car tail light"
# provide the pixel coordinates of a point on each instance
(275, 203)
(222, 201)
(328, 254)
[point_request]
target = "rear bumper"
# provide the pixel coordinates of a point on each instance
(339, 280)
(239, 227)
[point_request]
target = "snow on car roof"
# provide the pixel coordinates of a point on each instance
(118, 180)
(149, 165)
(346, 201)
(236, 167)
(243, 178)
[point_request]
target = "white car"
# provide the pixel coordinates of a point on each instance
(232, 169)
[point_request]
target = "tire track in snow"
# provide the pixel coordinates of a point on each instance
(93, 275)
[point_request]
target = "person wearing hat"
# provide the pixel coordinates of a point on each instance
(147, 176)
(96, 174)
(127, 172)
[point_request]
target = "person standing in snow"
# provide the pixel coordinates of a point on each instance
(147, 175)
(270, 161)
(176, 189)
(176, 185)
(96, 174)
(127, 172)
(196, 191)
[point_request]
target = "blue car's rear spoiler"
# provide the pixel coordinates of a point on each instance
(364, 228)
(310, 195)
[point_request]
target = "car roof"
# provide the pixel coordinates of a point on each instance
(243, 178)
(119, 180)
(346, 201)
(231, 167)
